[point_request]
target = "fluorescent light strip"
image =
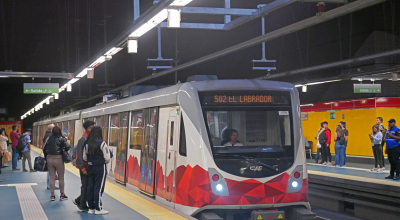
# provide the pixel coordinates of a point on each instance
(153, 22)
(180, 2)
(113, 51)
(72, 81)
(83, 73)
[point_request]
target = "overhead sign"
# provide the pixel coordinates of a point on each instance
(41, 88)
(367, 88)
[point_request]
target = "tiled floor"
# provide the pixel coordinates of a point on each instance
(120, 207)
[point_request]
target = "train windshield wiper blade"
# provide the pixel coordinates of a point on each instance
(250, 160)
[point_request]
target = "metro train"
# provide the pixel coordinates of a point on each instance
(177, 145)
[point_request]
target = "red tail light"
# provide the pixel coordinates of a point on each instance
(215, 177)
(296, 175)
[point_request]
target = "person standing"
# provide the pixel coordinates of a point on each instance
(346, 133)
(393, 150)
(97, 154)
(45, 138)
(14, 136)
(376, 139)
(340, 141)
(83, 167)
(4, 148)
(317, 156)
(26, 152)
(325, 141)
(383, 130)
(53, 153)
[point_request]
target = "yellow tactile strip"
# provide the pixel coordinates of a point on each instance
(357, 178)
(141, 205)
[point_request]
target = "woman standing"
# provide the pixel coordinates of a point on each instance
(376, 139)
(97, 154)
(53, 150)
(321, 129)
(4, 148)
(340, 141)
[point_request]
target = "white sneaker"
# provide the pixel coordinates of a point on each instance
(379, 170)
(92, 211)
(101, 212)
(329, 164)
(374, 169)
(337, 166)
(344, 166)
(324, 163)
(383, 168)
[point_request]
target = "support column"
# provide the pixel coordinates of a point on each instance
(227, 18)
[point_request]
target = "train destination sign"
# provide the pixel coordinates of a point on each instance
(41, 88)
(223, 98)
(367, 88)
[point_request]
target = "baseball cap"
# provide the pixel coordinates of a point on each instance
(392, 120)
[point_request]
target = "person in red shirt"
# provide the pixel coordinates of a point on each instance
(325, 141)
(14, 136)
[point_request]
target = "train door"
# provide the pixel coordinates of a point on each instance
(172, 143)
(149, 151)
(118, 144)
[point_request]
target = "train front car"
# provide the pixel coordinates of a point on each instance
(245, 151)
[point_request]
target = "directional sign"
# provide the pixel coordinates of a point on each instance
(41, 88)
(367, 88)
(332, 115)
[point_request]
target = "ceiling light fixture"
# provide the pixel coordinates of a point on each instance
(113, 51)
(153, 22)
(180, 2)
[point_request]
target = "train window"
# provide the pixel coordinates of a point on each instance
(245, 140)
(182, 141)
(103, 123)
(171, 134)
(136, 131)
(71, 130)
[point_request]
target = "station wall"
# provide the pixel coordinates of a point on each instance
(359, 123)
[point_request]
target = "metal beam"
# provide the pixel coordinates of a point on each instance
(205, 26)
(275, 5)
(37, 74)
(334, 64)
(354, 6)
(217, 11)
(120, 40)
(326, 1)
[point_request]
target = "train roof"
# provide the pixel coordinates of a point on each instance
(169, 96)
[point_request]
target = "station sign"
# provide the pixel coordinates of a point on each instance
(304, 116)
(41, 88)
(367, 88)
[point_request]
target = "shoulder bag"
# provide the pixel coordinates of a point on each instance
(40, 163)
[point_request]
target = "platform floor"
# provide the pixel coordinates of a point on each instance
(352, 172)
(25, 196)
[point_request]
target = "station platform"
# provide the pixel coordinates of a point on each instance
(25, 196)
(354, 189)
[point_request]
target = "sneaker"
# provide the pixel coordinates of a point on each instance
(24, 170)
(337, 166)
(389, 177)
(379, 170)
(92, 211)
(344, 166)
(396, 178)
(52, 198)
(324, 163)
(32, 171)
(84, 209)
(329, 164)
(101, 212)
(383, 168)
(76, 202)
(16, 169)
(64, 197)
(374, 169)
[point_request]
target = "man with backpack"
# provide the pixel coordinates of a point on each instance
(14, 136)
(325, 141)
(77, 160)
(24, 146)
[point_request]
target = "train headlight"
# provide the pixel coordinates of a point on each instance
(295, 184)
(219, 187)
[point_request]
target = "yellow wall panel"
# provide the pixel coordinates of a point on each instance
(359, 122)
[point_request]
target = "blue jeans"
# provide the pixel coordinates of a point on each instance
(15, 156)
(339, 154)
(317, 155)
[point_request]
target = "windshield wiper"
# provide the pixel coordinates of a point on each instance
(251, 160)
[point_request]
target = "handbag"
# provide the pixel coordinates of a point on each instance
(40, 163)
(65, 156)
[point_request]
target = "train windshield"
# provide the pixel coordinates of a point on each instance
(253, 139)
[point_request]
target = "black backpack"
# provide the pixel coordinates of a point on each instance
(323, 138)
(21, 143)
